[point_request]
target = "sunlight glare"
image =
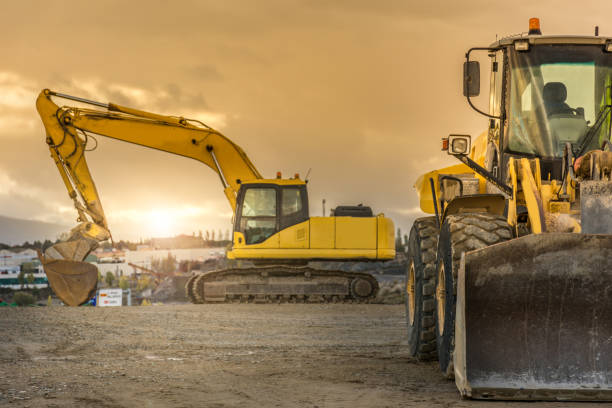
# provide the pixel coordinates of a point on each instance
(161, 223)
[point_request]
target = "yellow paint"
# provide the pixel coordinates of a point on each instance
(319, 237)
(512, 202)
(423, 188)
(278, 182)
(322, 232)
(355, 233)
(479, 149)
(159, 132)
(385, 237)
(296, 236)
(248, 253)
(477, 153)
(533, 200)
(324, 238)
(562, 207)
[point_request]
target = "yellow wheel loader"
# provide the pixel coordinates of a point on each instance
(272, 225)
(509, 283)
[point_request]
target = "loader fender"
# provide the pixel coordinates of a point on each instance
(483, 203)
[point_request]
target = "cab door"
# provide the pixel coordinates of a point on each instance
(257, 216)
(294, 225)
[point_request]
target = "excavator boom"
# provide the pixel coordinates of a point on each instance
(68, 130)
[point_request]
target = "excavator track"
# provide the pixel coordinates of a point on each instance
(189, 289)
(281, 284)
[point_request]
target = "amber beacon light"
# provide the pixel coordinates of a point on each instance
(534, 26)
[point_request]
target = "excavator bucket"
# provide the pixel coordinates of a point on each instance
(73, 281)
(73, 250)
(533, 319)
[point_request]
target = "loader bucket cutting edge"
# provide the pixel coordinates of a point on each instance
(533, 319)
(72, 281)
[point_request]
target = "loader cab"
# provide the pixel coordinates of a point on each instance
(545, 92)
(266, 207)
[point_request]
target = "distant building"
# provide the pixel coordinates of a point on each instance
(178, 242)
(144, 258)
(113, 256)
(9, 277)
(16, 257)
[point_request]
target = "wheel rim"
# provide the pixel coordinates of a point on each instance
(410, 293)
(441, 298)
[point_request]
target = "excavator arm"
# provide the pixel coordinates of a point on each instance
(68, 131)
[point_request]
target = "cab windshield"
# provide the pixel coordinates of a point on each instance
(559, 94)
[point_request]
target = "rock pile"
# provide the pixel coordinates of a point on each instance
(391, 293)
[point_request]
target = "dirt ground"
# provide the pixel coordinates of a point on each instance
(218, 356)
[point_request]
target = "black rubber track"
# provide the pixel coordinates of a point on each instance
(195, 285)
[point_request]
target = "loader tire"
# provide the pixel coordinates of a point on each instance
(420, 282)
(459, 234)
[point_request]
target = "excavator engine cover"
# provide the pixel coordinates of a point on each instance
(533, 319)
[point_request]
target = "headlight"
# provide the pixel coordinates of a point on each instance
(459, 144)
(521, 45)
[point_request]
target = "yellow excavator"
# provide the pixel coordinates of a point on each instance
(272, 226)
(509, 282)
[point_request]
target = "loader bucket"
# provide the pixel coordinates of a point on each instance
(534, 319)
(73, 282)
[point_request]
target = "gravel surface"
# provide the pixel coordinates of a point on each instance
(288, 355)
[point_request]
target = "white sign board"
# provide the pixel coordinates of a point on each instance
(110, 297)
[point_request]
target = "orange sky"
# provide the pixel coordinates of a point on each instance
(360, 91)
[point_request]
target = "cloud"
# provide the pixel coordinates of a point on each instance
(21, 199)
(164, 221)
(205, 72)
(11, 124)
(408, 211)
(166, 100)
(16, 92)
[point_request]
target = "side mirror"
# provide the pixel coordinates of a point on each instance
(471, 78)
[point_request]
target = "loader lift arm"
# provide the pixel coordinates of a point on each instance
(68, 131)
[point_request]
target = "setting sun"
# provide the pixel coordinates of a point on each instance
(161, 223)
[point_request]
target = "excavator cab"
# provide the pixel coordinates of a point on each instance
(263, 209)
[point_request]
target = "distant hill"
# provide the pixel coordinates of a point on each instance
(14, 231)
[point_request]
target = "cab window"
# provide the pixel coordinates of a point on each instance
(259, 202)
(294, 206)
(258, 220)
(292, 201)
